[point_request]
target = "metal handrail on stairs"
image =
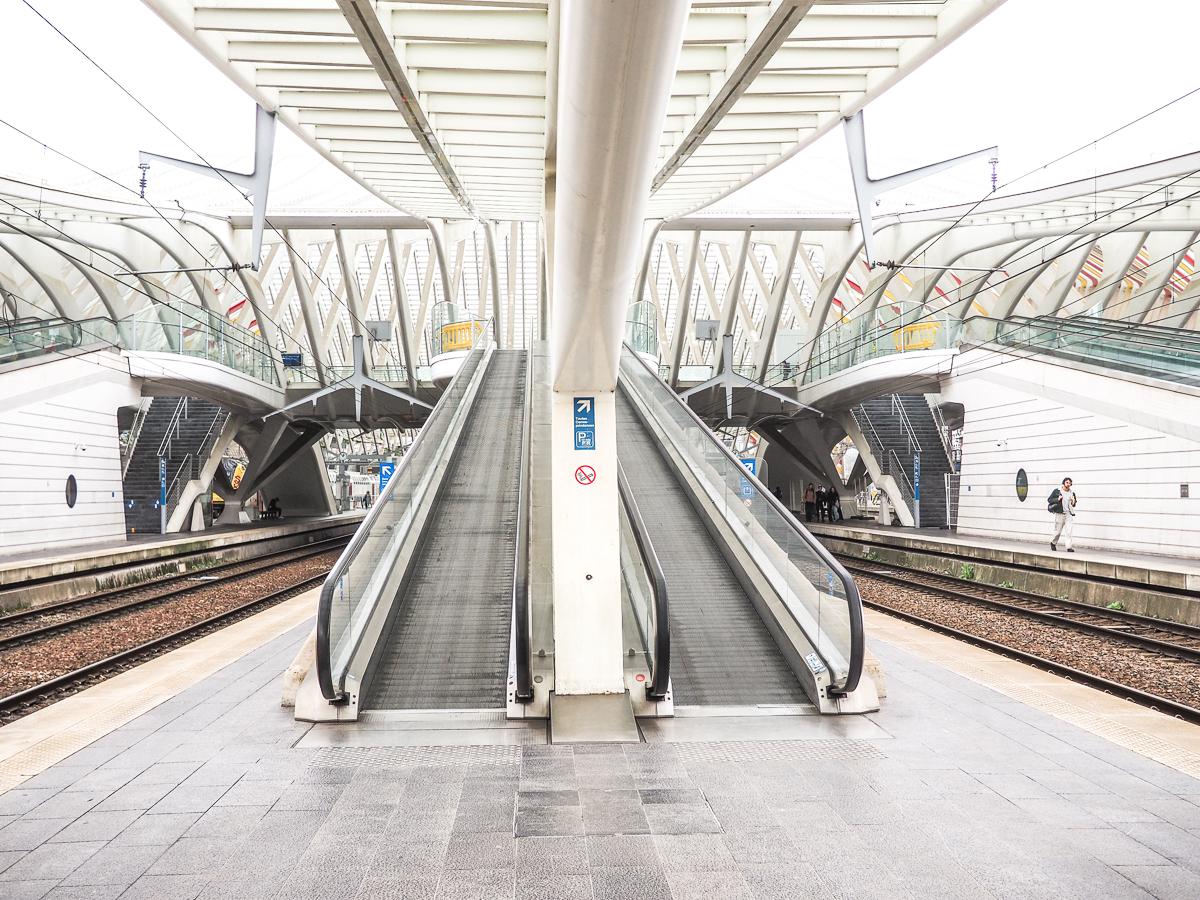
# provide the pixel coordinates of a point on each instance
(906, 425)
(135, 431)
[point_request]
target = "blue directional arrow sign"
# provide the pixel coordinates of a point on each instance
(585, 423)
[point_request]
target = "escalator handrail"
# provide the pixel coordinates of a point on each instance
(660, 674)
(520, 590)
(362, 534)
(853, 598)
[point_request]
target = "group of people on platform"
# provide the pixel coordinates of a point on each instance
(822, 504)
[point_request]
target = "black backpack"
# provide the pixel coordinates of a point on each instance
(1054, 503)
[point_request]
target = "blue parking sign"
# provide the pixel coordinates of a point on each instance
(584, 409)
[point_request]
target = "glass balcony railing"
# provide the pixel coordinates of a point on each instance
(839, 348)
(817, 591)
(1154, 351)
(31, 338)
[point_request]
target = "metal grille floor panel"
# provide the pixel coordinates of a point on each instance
(448, 646)
(721, 652)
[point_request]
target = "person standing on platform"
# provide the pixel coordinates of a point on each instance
(810, 502)
(1061, 503)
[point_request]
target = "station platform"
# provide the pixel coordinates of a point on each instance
(1166, 587)
(979, 777)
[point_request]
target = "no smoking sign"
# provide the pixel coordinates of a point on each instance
(585, 475)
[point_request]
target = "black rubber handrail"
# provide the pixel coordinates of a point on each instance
(520, 590)
(325, 604)
(660, 672)
(853, 599)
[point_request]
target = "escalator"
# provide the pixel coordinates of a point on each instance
(721, 651)
(418, 613)
(756, 611)
(447, 646)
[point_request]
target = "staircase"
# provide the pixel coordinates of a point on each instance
(181, 430)
(898, 426)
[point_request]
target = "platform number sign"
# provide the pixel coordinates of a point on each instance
(585, 423)
(745, 488)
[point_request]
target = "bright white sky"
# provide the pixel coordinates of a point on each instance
(1038, 78)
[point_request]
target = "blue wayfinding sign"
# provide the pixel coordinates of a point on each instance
(745, 488)
(916, 476)
(292, 360)
(585, 423)
(386, 471)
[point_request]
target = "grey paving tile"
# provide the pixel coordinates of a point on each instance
(547, 798)
(253, 793)
(189, 798)
(694, 853)
(115, 865)
(623, 851)
(227, 821)
(1164, 882)
(192, 856)
(617, 817)
(53, 861)
(709, 886)
(393, 886)
(29, 834)
(549, 820)
(66, 805)
(86, 892)
(58, 777)
(165, 887)
(547, 855)
(681, 818)
(309, 797)
(494, 850)
(22, 800)
(97, 825)
(553, 887)
(481, 817)
(136, 796)
(1115, 848)
(156, 828)
(477, 884)
(28, 890)
(641, 883)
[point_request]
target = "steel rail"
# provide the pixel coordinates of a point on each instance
(1144, 698)
(853, 600)
(150, 648)
(260, 564)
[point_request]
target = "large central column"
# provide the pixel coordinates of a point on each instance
(617, 60)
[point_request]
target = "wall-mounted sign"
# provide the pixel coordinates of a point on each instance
(292, 360)
(585, 423)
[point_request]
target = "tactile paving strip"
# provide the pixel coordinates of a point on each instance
(410, 757)
(788, 751)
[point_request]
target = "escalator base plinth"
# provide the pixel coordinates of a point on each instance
(592, 719)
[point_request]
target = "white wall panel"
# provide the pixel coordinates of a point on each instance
(56, 420)
(1127, 475)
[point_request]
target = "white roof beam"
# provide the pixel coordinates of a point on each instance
(308, 22)
(318, 78)
(817, 27)
(477, 57)
(498, 84)
(378, 45)
(299, 53)
(773, 28)
(499, 25)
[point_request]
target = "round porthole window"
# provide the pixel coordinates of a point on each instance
(72, 491)
(1022, 485)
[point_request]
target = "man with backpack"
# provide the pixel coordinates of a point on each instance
(1061, 503)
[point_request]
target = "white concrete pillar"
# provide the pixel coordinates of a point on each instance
(617, 62)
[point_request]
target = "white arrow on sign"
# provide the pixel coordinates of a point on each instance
(584, 404)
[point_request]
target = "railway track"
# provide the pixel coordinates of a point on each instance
(1146, 660)
(38, 622)
(21, 703)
